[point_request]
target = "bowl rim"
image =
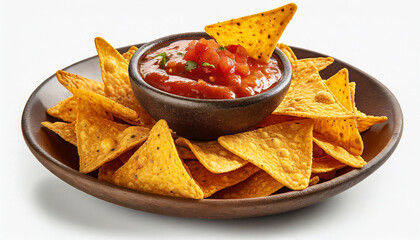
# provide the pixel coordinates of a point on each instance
(135, 76)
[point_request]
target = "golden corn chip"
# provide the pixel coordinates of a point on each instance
(309, 96)
(127, 55)
(212, 182)
(101, 103)
(343, 132)
(283, 150)
(320, 63)
(326, 164)
(65, 130)
(213, 156)
(363, 121)
(156, 168)
(65, 110)
(69, 80)
(114, 69)
(100, 140)
(185, 153)
(314, 180)
(287, 51)
(340, 154)
(108, 169)
(258, 33)
(275, 119)
(259, 184)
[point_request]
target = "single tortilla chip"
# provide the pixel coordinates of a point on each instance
(65, 110)
(320, 63)
(114, 69)
(108, 169)
(213, 156)
(342, 132)
(260, 184)
(100, 140)
(275, 119)
(100, 103)
(211, 182)
(309, 96)
(156, 167)
(69, 81)
(283, 150)
(340, 153)
(257, 33)
(65, 130)
(314, 180)
(127, 55)
(326, 164)
(185, 153)
(287, 51)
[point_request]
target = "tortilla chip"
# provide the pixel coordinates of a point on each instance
(211, 182)
(352, 87)
(283, 150)
(65, 130)
(309, 96)
(114, 69)
(260, 184)
(342, 132)
(65, 110)
(185, 153)
(156, 168)
(258, 33)
(108, 169)
(320, 63)
(340, 154)
(326, 164)
(100, 103)
(213, 156)
(287, 51)
(69, 80)
(275, 119)
(314, 180)
(127, 55)
(100, 140)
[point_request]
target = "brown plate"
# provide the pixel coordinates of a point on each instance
(60, 157)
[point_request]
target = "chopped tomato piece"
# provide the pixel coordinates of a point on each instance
(226, 64)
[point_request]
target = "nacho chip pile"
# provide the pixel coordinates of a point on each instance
(312, 134)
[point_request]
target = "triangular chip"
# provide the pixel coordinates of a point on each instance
(114, 69)
(100, 140)
(309, 96)
(185, 153)
(342, 132)
(70, 80)
(340, 153)
(260, 184)
(283, 150)
(275, 119)
(65, 110)
(100, 103)
(211, 182)
(156, 168)
(326, 164)
(127, 55)
(65, 130)
(287, 51)
(257, 33)
(320, 63)
(213, 156)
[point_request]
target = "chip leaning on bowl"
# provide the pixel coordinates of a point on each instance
(314, 132)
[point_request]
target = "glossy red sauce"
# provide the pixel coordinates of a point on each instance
(202, 69)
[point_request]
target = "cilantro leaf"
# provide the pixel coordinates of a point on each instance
(222, 48)
(204, 64)
(163, 61)
(191, 65)
(180, 53)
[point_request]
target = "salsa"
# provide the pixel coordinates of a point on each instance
(203, 69)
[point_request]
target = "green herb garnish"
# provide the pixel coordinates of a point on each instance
(191, 65)
(222, 48)
(180, 53)
(205, 64)
(163, 61)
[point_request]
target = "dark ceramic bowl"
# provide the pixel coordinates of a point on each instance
(205, 118)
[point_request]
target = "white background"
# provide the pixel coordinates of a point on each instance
(39, 37)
